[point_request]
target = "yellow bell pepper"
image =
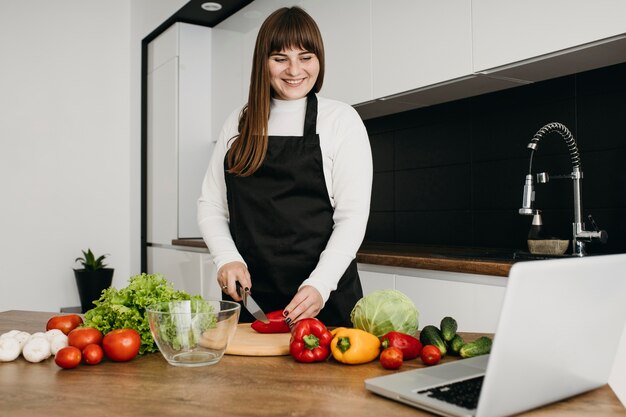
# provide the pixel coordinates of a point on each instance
(354, 346)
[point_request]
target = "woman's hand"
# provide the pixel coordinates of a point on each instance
(231, 273)
(306, 303)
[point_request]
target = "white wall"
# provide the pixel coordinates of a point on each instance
(69, 142)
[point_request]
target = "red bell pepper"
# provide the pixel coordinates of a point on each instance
(276, 325)
(410, 346)
(310, 341)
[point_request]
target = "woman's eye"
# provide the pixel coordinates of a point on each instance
(280, 60)
(307, 57)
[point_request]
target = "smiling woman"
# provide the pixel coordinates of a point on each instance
(293, 73)
(285, 200)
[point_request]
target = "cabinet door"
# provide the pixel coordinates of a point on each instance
(192, 272)
(346, 30)
(181, 268)
(178, 130)
(476, 307)
(194, 123)
(210, 288)
(419, 43)
(227, 76)
(373, 281)
(232, 49)
(162, 175)
(507, 31)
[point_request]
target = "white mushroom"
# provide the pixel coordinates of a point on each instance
(11, 333)
(52, 333)
(9, 349)
(37, 334)
(57, 343)
(22, 337)
(36, 349)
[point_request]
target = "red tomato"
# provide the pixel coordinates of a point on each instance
(431, 355)
(67, 358)
(65, 323)
(391, 358)
(84, 336)
(121, 345)
(92, 354)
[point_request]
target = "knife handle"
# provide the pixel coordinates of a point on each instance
(241, 292)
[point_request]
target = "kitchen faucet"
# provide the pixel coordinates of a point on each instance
(579, 235)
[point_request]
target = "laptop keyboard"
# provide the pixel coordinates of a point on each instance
(462, 393)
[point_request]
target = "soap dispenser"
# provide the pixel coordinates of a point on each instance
(536, 228)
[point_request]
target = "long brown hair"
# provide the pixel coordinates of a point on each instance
(286, 28)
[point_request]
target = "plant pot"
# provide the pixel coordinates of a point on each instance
(91, 284)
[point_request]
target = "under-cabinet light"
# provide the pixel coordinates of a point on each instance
(211, 6)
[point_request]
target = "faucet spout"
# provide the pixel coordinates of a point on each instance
(579, 235)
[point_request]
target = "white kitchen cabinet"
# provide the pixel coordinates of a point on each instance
(476, 307)
(178, 130)
(473, 300)
(387, 57)
(231, 56)
(348, 52)
(227, 76)
(373, 281)
(419, 43)
(346, 29)
(190, 271)
(509, 31)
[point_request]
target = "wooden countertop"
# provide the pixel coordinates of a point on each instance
(485, 261)
(236, 386)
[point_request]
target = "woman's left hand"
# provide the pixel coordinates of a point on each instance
(306, 303)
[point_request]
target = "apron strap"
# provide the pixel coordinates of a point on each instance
(310, 118)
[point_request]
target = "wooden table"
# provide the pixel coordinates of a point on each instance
(236, 386)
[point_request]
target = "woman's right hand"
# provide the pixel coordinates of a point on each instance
(231, 273)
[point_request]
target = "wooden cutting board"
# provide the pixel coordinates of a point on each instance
(249, 342)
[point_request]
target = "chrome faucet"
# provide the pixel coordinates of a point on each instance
(579, 235)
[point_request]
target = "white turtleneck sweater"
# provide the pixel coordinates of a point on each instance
(347, 161)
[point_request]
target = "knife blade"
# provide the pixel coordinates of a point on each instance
(251, 305)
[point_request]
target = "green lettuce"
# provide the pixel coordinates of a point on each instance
(126, 308)
(385, 311)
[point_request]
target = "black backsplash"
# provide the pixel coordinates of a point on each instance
(453, 174)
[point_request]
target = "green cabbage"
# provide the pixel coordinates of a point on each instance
(385, 311)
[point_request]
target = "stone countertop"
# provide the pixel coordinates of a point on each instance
(471, 260)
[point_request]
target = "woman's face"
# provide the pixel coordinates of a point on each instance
(293, 73)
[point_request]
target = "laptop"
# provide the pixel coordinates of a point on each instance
(555, 314)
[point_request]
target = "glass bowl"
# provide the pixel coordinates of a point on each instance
(193, 332)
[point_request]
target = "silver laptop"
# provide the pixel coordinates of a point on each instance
(554, 315)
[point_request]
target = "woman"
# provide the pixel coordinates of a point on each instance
(285, 200)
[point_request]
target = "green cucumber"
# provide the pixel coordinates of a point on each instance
(448, 328)
(430, 335)
(480, 346)
(456, 344)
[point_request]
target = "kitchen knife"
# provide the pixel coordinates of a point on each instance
(251, 305)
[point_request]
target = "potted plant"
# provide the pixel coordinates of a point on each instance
(91, 279)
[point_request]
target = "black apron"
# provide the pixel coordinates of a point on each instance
(281, 219)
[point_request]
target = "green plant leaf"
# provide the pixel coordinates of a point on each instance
(89, 261)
